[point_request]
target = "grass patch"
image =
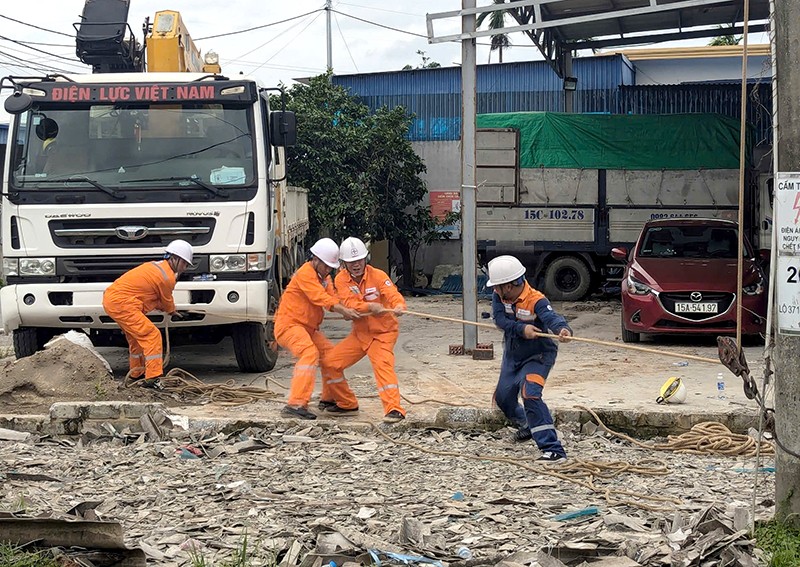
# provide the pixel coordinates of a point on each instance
(15, 556)
(781, 542)
(243, 556)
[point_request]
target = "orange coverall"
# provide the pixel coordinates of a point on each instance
(134, 294)
(374, 335)
(297, 322)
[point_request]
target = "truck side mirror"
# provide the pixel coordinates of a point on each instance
(18, 103)
(620, 254)
(283, 128)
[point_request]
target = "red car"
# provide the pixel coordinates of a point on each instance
(680, 278)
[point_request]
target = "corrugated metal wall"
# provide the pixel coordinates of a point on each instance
(434, 95)
(605, 84)
(723, 98)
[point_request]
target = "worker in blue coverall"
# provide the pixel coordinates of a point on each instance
(522, 312)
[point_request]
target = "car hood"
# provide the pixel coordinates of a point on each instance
(676, 274)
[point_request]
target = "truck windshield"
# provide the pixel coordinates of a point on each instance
(690, 242)
(163, 144)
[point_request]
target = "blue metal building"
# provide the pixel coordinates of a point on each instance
(605, 84)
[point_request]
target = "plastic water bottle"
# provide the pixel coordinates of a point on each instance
(720, 386)
(464, 552)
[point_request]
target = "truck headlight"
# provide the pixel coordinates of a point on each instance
(635, 287)
(238, 262)
(37, 267)
(10, 267)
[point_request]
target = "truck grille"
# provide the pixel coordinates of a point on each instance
(128, 233)
(82, 269)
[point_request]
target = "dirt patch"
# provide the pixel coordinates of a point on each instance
(63, 372)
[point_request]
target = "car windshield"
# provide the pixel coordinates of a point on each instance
(689, 242)
(115, 145)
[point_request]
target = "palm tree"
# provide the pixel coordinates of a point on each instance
(496, 22)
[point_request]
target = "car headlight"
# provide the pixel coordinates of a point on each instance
(238, 262)
(37, 267)
(756, 288)
(636, 287)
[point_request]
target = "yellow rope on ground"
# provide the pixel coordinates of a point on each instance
(706, 438)
(576, 471)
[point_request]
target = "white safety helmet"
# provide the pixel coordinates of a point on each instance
(672, 392)
(181, 249)
(504, 269)
(352, 249)
(326, 250)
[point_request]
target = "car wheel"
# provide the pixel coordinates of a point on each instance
(629, 336)
(254, 343)
(567, 279)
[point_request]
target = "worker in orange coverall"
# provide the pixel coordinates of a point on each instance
(139, 291)
(369, 291)
(309, 293)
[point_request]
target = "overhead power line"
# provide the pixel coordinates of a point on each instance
(34, 26)
(347, 47)
(379, 25)
(71, 60)
(258, 27)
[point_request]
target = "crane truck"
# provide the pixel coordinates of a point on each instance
(102, 170)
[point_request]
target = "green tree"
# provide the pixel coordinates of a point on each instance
(725, 39)
(497, 21)
(362, 174)
(427, 63)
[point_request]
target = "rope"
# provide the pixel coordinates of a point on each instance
(184, 383)
(573, 338)
(706, 438)
(576, 471)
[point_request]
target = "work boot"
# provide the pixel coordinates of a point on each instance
(298, 411)
(151, 383)
(325, 404)
(551, 457)
(335, 408)
(523, 434)
(393, 417)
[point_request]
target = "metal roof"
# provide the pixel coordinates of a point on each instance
(557, 26)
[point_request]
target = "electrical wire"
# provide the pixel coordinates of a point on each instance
(40, 60)
(347, 47)
(379, 25)
(274, 55)
(34, 65)
(270, 40)
(34, 26)
(380, 9)
(39, 50)
(258, 27)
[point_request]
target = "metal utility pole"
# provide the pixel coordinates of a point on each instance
(328, 8)
(469, 234)
(786, 51)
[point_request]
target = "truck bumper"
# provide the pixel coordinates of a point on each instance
(81, 305)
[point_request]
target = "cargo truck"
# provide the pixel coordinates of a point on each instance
(561, 190)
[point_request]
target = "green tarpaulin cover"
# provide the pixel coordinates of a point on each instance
(622, 141)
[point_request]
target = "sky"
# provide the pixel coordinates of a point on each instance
(276, 54)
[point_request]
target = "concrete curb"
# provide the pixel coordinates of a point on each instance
(75, 418)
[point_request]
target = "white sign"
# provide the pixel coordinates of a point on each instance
(787, 227)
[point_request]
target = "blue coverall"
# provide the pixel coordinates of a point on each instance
(526, 364)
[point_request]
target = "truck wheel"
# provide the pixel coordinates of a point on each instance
(26, 342)
(629, 336)
(254, 343)
(567, 279)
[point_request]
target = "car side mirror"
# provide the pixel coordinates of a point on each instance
(620, 254)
